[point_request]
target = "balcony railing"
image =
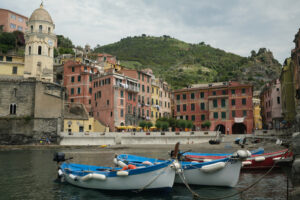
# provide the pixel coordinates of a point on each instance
(127, 87)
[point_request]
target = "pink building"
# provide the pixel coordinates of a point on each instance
(115, 100)
(11, 21)
(271, 105)
(78, 82)
(227, 105)
(144, 95)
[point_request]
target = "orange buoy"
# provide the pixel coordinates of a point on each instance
(130, 166)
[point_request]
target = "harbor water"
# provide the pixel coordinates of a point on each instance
(31, 174)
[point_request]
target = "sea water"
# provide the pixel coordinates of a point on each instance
(31, 174)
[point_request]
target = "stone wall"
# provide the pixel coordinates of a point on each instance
(27, 130)
(38, 110)
(16, 91)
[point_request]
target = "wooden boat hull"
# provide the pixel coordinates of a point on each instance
(159, 176)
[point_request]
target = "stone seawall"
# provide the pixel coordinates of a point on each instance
(113, 138)
(25, 130)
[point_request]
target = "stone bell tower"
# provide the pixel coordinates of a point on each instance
(40, 41)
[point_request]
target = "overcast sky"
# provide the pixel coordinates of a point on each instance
(237, 26)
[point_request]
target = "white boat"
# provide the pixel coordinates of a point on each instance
(159, 176)
(221, 172)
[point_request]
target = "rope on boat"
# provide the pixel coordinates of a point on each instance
(197, 196)
(144, 187)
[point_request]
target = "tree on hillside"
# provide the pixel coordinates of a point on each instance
(64, 42)
(64, 45)
(11, 41)
(20, 40)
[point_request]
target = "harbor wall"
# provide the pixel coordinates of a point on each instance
(113, 138)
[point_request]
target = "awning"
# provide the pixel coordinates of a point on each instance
(121, 127)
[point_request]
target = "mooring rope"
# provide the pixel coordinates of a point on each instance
(197, 196)
(156, 177)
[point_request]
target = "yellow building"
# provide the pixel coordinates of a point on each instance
(108, 65)
(76, 119)
(256, 114)
(11, 65)
(155, 101)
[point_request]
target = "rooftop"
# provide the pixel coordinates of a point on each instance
(75, 111)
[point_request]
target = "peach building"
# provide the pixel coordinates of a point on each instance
(114, 100)
(12, 21)
(144, 95)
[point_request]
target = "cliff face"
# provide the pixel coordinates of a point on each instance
(261, 67)
(182, 64)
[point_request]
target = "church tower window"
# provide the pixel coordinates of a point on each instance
(40, 50)
(31, 28)
(29, 50)
(48, 51)
(49, 30)
(40, 28)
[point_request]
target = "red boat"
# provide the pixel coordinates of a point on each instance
(266, 160)
(256, 161)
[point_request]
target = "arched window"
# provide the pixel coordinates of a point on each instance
(40, 50)
(49, 30)
(40, 28)
(31, 28)
(12, 109)
(29, 50)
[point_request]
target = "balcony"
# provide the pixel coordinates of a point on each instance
(132, 88)
(127, 87)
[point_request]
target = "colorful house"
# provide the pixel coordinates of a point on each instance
(155, 107)
(115, 100)
(12, 21)
(77, 119)
(271, 105)
(12, 65)
(78, 82)
(227, 105)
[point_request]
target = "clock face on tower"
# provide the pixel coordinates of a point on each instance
(50, 42)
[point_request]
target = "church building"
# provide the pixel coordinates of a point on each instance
(40, 40)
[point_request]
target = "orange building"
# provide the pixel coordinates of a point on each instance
(11, 21)
(78, 82)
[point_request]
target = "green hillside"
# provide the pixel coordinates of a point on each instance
(182, 64)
